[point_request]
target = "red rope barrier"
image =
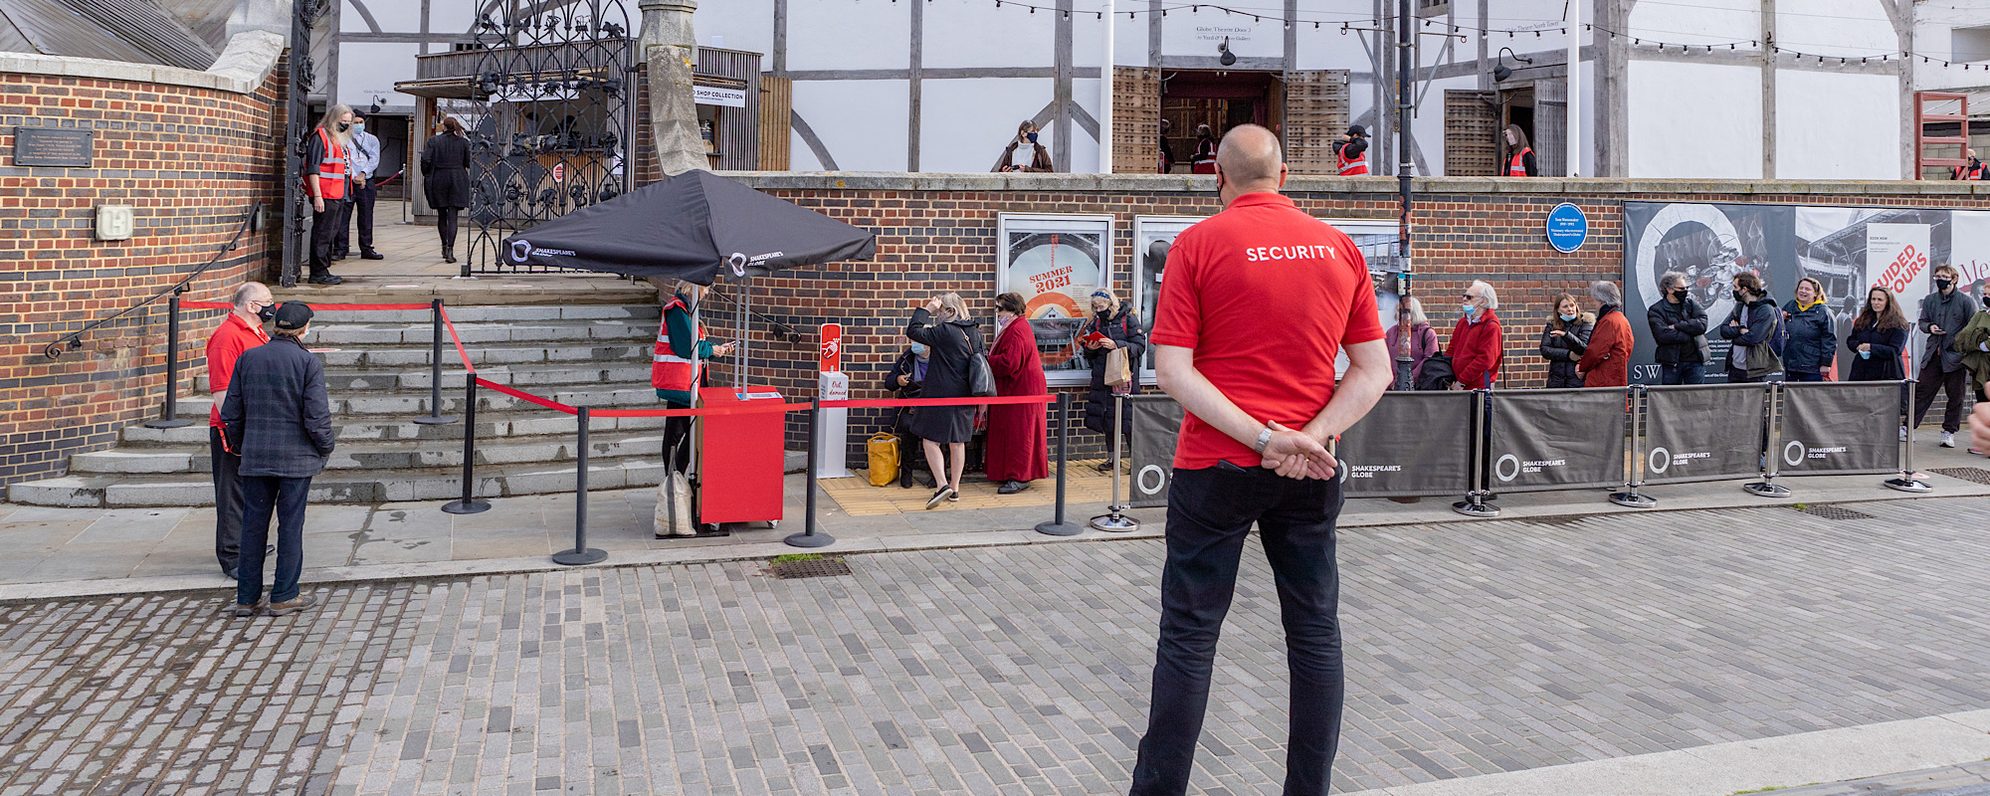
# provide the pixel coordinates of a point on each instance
(451, 326)
(222, 305)
(889, 403)
(753, 408)
(528, 397)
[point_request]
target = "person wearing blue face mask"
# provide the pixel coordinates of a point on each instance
(1564, 340)
(906, 380)
(364, 192)
(1477, 341)
(1038, 159)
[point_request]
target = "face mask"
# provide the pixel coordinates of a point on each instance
(919, 350)
(359, 127)
(1032, 138)
(1944, 284)
(1470, 309)
(267, 313)
(1679, 294)
(1865, 355)
(1568, 318)
(344, 127)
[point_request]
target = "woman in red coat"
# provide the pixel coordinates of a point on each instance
(1018, 450)
(1607, 363)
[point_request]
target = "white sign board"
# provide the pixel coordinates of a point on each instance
(723, 97)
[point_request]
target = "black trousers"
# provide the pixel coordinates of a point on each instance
(325, 228)
(360, 209)
(1210, 513)
(263, 496)
(677, 441)
(1950, 383)
(227, 501)
(445, 225)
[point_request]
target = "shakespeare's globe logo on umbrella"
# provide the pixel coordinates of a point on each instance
(737, 262)
(521, 250)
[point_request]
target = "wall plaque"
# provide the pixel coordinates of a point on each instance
(52, 146)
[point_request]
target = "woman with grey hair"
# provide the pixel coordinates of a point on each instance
(1607, 363)
(943, 325)
(1679, 327)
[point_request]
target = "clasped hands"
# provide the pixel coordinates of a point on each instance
(1297, 455)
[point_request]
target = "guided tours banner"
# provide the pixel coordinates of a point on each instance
(1556, 439)
(1847, 249)
(1409, 445)
(1840, 427)
(1156, 421)
(1703, 433)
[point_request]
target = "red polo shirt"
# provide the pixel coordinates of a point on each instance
(1266, 295)
(226, 346)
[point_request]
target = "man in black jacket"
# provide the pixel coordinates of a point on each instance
(1678, 324)
(278, 419)
(1944, 311)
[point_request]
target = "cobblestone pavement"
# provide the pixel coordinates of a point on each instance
(1473, 648)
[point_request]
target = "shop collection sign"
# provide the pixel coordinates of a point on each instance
(714, 95)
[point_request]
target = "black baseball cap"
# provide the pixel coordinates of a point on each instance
(293, 315)
(1355, 129)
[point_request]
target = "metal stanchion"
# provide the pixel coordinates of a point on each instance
(810, 537)
(169, 415)
(468, 503)
(1474, 504)
(435, 417)
(1907, 482)
(1057, 526)
(1634, 477)
(1114, 520)
(1771, 457)
(581, 553)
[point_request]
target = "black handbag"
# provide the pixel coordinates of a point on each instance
(1436, 374)
(980, 375)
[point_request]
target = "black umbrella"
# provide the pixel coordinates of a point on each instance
(691, 226)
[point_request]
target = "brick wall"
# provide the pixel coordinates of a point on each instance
(190, 161)
(938, 233)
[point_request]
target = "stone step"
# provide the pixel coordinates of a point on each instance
(386, 454)
(375, 421)
(464, 314)
(488, 356)
(344, 382)
(100, 490)
(373, 334)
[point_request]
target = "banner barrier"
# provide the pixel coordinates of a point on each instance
(1710, 432)
(1556, 439)
(1409, 445)
(1156, 421)
(1844, 427)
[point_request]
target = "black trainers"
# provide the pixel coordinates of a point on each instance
(1011, 487)
(326, 279)
(302, 602)
(371, 255)
(941, 494)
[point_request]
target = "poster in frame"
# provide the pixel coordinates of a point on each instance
(1055, 262)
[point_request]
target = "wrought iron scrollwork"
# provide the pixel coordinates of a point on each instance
(553, 112)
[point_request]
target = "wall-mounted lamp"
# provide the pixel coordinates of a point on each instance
(1224, 56)
(1499, 71)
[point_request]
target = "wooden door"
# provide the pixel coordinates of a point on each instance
(777, 100)
(1471, 133)
(1136, 120)
(1315, 116)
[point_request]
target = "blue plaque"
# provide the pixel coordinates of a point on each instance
(1568, 227)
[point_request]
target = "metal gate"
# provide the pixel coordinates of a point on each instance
(550, 123)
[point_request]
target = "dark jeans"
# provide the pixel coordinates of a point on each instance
(1741, 377)
(260, 496)
(1210, 513)
(1684, 373)
(227, 501)
(1792, 375)
(677, 442)
(1559, 380)
(325, 228)
(445, 225)
(1950, 383)
(360, 209)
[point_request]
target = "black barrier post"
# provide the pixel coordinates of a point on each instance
(435, 417)
(1114, 520)
(1474, 504)
(1057, 526)
(1771, 466)
(581, 554)
(1634, 475)
(1907, 482)
(810, 537)
(468, 503)
(169, 415)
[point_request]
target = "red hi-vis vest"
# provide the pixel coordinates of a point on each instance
(669, 370)
(331, 170)
(1518, 168)
(1351, 168)
(1976, 172)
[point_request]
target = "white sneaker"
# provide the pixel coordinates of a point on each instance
(1948, 439)
(1903, 433)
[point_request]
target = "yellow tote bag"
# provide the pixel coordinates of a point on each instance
(883, 450)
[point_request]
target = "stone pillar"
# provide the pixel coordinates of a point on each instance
(669, 49)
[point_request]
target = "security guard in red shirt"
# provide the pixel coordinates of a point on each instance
(239, 332)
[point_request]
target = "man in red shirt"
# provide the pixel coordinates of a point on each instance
(1258, 301)
(239, 332)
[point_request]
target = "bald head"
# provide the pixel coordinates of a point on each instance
(251, 293)
(1250, 158)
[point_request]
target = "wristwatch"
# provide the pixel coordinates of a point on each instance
(1264, 439)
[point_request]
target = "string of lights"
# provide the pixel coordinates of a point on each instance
(1463, 33)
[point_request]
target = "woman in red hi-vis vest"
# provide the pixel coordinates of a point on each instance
(324, 176)
(1351, 154)
(1522, 164)
(674, 371)
(1972, 169)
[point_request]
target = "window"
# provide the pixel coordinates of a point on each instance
(1970, 44)
(1433, 8)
